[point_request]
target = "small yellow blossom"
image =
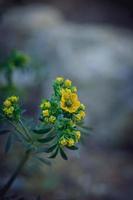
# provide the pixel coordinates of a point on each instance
(63, 142)
(59, 79)
(7, 103)
(68, 83)
(70, 142)
(78, 134)
(82, 106)
(52, 119)
(74, 89)
(45, 113)
(82, 114)
(8, 111)
(78, 117)
(69, 101)
(46, 119)
(13, 99)
(47, 104)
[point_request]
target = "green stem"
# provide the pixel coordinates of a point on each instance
(9, 77)
(15, 174)
(17, 129)
(25, 129)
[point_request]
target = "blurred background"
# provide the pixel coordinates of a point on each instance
(91, 43)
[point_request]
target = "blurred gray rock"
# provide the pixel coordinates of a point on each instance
(32, 17)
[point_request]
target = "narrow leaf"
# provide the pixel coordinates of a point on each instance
(54, 154)
(42, 130)
(73, 148)
(50, 149)
(47, 139)
(44, 161)
(87, 128)
(63, 154)
(42, 150)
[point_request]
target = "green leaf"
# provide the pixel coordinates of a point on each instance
(41, 150)
(63, 154)
(3, 132)
(50, 149)
(44, 161)
(42, 130)
(87, 128)
(73, 148)
(46, 139)
(8, 144)
(54, 154)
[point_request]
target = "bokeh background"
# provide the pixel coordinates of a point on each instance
(91, 43)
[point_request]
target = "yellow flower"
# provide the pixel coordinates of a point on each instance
(59, 79)
(45, 113)
(7, 103)
(82, 106)
(82, 114)
(78, 134)
(13, 99)
(74, 89)
(70, 142)
(47, 104)
(63, 141)
(78, 117)
(69, 101)
(8, 111)
(52, 119)
(68, 83)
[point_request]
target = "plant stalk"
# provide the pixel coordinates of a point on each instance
(9, 77)
(11, 180)
(25, 129)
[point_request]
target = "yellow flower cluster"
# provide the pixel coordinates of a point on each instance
(9, 106)
(69, 99)
(80, 116)
(64, 111)
(46, 112)
(64, 141)
(59, 80)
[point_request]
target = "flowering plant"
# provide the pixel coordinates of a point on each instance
(60, 124)
(16, 60)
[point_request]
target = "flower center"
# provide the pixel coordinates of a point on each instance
(68, 103)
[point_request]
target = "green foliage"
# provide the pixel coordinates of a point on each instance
(57, 129)
(59, 126)
(44, 161)
(16, 60)
(63, 154)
